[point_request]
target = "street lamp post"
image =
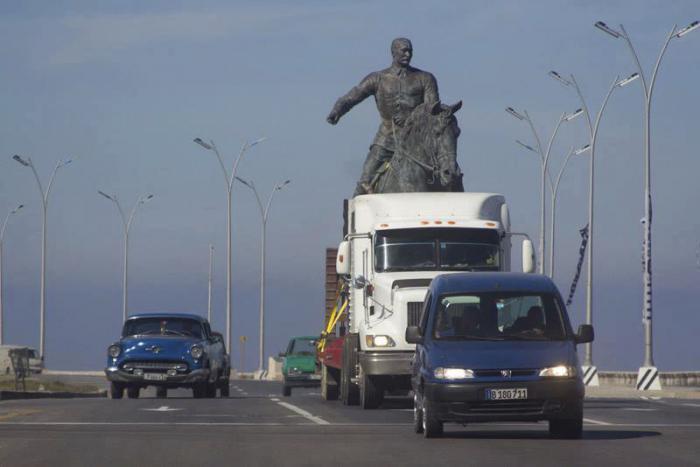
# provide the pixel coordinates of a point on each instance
(590, 371)
(264, 211)
(210, 146)
(211, 275)
(2, 236)
(126, 224)
(44, 204)
(647, 377)
(544, 157)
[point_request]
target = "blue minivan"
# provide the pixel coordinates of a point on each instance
(494, 346)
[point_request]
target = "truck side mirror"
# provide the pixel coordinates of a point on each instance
(529, 259)
(342, 261)
(585, 334)
(414, 335)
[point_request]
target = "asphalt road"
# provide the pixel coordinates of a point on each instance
(257, 426)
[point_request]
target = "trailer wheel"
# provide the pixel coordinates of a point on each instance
(329, 385)
(348, 389)
(371, 393)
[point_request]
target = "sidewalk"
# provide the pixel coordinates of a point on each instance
(626, 392)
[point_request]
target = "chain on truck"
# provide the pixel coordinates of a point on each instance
(376, 281)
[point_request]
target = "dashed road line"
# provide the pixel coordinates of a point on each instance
(596, 422)
(639, 409)
(303, 413)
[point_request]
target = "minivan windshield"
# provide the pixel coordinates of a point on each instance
(303, 347)
(499, 316)
(163, 326)
(448, 249)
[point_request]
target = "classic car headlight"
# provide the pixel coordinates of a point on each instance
(453, 373)
(560, 371)
(114, 350)
(197, 351)
(379, 341)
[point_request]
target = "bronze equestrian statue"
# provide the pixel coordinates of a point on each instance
(401, 152)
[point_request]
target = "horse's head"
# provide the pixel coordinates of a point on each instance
(444, 133)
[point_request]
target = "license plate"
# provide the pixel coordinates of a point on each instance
(506, 394)
(155, 376)
(314, 376)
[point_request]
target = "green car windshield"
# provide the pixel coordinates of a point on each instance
(302, 347)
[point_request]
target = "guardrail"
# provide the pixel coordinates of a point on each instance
(668, 378)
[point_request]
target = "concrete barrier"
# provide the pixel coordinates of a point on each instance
(11, 395)
(668, 378)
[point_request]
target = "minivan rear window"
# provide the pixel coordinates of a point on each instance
(499, 316)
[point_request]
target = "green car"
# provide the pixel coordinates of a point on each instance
(299, 369)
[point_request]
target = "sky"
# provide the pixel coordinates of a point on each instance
(124, 87)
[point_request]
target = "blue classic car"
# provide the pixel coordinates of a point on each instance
(168, 350)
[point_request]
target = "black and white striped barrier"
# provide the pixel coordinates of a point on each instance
(648, 378)
(590, 375)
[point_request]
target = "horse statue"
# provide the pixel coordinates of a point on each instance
(426, 153)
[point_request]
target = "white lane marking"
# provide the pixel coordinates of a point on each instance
(163, 408)
(244, 393)
(8, 424)
(303, 413)
(595, 422)
(692, 405)
(637, 409)
(274, 399)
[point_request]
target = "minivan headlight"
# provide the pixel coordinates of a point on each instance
(114, 350)
(559, 371)
(379, 341)
(197, 351)
(453, 373)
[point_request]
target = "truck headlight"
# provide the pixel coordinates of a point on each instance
(559, 371)
(453, 373)
(196, 351)
(114, 350)
(379, 341)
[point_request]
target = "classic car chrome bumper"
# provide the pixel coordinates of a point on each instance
(116, 375)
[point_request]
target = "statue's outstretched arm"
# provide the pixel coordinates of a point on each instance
(366, 88)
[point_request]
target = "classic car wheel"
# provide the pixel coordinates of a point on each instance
(116, 391)
(224, 389)
(161, 392)
(210, 390)
(198, 391)
(133, 392)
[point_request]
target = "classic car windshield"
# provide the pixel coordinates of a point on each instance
(499, 316)
(163, 326)
(303, 347)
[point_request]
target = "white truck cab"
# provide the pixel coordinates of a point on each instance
(394, 245)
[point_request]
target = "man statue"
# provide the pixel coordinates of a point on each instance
(397, 90)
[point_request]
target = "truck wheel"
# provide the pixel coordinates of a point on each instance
(132, 392)
(371, 394)
(161, 392)
(566, 428)
(286, 391)
(417, 415)
(116, 391)
(349, 389)
(432, 427)
(329, 386)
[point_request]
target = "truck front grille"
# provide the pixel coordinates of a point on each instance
(414, 310)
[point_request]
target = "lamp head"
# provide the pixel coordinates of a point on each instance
(606, 29)
(515, 114)
(559, 78)
(627, 80)
(526, 146)
(573, 115)
(583, 149)
(106, 195)
(17, 158)
(692, 26)
(203, 144)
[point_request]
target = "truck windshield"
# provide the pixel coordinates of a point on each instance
(450, 249)
(163, 326)
(499, 316)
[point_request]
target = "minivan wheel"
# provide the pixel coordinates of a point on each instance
(568, 428)
(417, 415)
(432, 427)
(286, 391)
